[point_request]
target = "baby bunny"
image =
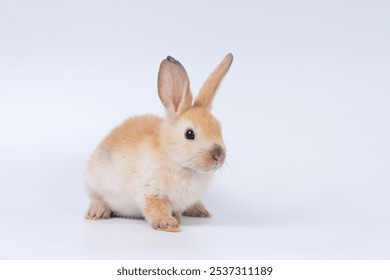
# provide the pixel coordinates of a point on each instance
(156, 168)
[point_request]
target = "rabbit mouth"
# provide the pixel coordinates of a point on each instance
(204, 168)
(208, 160)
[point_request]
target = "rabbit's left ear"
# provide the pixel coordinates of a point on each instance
(210, 87)
(174, 87)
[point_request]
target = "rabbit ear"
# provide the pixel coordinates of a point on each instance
(174, 87)
(210, 87)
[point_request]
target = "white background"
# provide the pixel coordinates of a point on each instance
(305, 112)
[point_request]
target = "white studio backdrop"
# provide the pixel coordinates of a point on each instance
(304, 108)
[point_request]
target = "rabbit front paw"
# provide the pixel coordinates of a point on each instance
(169, 224)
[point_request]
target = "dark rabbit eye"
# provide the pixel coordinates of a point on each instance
(190, 134)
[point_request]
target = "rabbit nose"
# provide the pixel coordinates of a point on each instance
(218, 153)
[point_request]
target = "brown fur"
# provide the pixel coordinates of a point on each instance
(201, 116)
(209, 88)
(197, 210)
(133, 132)
(158, 213)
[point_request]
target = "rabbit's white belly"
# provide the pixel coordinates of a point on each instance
(124, 180)
(119, 180)
(187, 192)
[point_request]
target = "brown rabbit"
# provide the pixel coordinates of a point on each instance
(155, 167)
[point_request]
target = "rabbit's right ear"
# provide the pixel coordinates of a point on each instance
(209, 88)
(174, 87)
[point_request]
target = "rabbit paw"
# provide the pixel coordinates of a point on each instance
(169, 224)
(98, 210)
(177, 216)
(197, 210)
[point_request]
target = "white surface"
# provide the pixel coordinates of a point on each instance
(305, 111)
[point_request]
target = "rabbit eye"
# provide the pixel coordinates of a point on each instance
(190, 134)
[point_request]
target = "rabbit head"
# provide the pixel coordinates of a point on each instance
(191, 136)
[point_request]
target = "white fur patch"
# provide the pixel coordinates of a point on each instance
(123, 179)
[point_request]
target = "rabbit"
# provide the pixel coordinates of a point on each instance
(156, 168)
